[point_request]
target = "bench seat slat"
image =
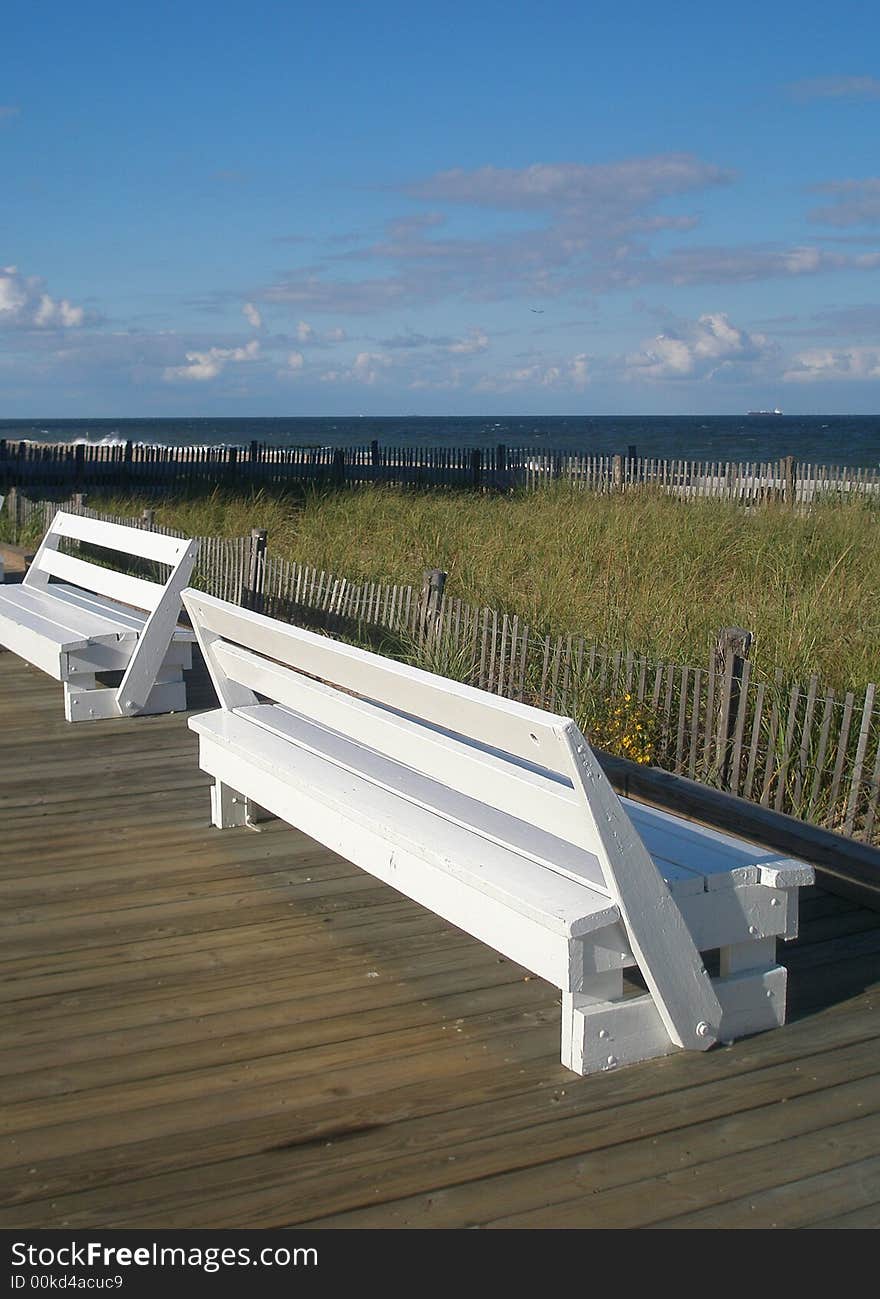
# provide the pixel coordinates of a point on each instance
(556, 854)
(70, 617)
(22, 615)
(34, 639)
(698, 847)
(102, 604)
(566, 908)
(91, 602)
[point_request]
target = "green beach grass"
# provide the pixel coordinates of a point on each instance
(638, 571)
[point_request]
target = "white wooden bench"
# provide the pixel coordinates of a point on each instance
(94, 619)
(498, 817)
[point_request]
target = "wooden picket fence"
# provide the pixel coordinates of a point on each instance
(797, 747)
(37, 468)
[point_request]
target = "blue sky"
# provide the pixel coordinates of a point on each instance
(220, 209)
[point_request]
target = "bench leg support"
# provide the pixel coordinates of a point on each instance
(87, 702)
(757, 955)
(228, 807)
(598, 1035)
(167, 696)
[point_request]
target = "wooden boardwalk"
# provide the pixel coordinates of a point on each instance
(237, 1029)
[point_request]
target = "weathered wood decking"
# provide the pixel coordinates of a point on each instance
(237, 1029)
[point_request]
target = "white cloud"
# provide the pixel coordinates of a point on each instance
(702, 349)
(477, 340)
(367, 368)
(295, 361)
(25, 304)
(542, 372)
(201, 366)
(608, 187)
(856, 202)
(578, 369)
(834, 364)
(736, 265)
(584, 213)
(369, 365)
(252, 315)
(440, 383)
(307, 334)
(836, 88)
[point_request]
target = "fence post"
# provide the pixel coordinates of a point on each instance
(374, 452)
(229, 471)
(148, 518)
(430, 600)
(501, 466)
(789, 481)
(732, 648)
(476, 467)
(13, 509)
(339, 466)
(617, 473)
(253, 596)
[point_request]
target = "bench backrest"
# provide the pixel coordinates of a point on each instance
(521, 760)
(160, 600)
(507, 754)
(50, 561)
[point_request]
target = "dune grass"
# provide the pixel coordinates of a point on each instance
(638, 571)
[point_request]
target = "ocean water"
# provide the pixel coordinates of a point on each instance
(827, 439)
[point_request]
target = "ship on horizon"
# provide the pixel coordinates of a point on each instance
(774, 411)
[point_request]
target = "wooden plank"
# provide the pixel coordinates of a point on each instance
(515, 728)
(739, 727)
(806, 737)
(670, 963)
(770, 769)
(164, 549)
(106, 581)
(453, 762)
(624, 1179)
(754, 742)
(158, 630)
(824, 732)
(73, 619)
(873, 799)
(786, 755)
(855, 791)
(682, 714)
(842, 740)
(846, 866)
